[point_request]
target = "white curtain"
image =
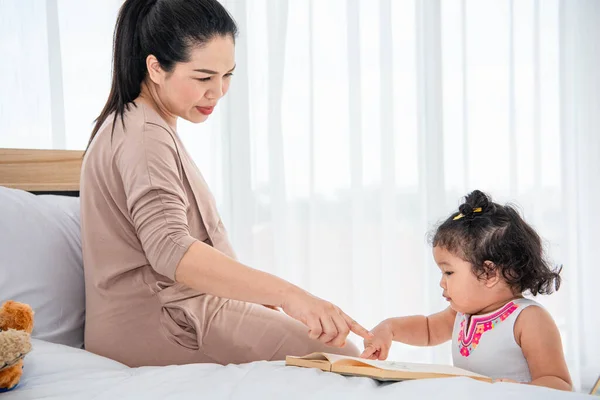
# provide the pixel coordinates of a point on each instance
(353, 126)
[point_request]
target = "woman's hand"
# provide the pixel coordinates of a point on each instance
(325, 321)
(378, 346)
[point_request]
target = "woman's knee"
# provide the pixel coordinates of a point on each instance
(350, 349)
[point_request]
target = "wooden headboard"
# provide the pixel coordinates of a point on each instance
(41, 171)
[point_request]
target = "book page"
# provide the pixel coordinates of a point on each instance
(402, 366)
(317, 356)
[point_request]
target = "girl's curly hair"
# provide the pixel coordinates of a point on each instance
(483, 231)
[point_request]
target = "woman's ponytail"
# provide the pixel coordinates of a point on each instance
(129, 60)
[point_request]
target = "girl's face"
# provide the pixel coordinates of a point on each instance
(464, 291)
(193, 88)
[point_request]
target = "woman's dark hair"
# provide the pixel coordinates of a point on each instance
(483, 231)
(165, 28)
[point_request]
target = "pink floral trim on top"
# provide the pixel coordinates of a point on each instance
(480, 324)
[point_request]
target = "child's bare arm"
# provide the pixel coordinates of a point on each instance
(440, 327)
(416, 330)
(538, 336)
(420, 330)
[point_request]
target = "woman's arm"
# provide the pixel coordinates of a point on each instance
(208, 270)
(148, 165)
(539, 338)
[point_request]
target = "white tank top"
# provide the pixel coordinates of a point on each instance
(485, 344)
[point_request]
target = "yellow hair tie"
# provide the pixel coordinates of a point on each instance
(459, 216)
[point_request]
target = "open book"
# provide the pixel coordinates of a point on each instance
(380, 370)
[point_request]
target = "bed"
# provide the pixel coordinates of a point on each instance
(41, 265)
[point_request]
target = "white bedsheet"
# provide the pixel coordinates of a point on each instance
(59, 372)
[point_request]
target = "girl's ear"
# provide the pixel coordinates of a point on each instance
(491, 274)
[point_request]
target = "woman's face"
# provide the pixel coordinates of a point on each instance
(193, 88)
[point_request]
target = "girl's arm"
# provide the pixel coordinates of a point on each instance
(416, 330)
(538, 336)
(420, 330)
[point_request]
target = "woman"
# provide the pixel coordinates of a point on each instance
(162, 282)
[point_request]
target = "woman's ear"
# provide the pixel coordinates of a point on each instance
(491, 274)
(155, 71)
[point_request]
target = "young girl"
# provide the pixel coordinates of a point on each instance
(489, 256)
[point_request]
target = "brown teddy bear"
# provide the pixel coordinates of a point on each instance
(16, 324)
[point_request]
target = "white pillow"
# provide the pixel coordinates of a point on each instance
(41, 262)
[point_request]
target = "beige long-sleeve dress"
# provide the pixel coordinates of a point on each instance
(143, 203)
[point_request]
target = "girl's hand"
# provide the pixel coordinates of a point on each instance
(326, 322)
(378, 347)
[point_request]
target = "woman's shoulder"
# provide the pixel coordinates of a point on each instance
(140, 137)
(139, 118)
(136, 121)
(141, 127)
